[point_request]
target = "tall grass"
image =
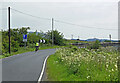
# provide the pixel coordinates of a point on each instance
(85, 64)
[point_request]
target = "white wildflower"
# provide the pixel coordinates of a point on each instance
(107, 66)
(112, 69)
(116, 66)
(117, 57)
(88, 77)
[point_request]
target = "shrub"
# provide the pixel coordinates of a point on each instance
(7, 55)
(74, 49)
(95, 45)
(14, 45)
(31, 45)
(58, 37)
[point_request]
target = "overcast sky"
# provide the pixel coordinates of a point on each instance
(91, 13)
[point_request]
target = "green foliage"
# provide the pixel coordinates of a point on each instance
(32, 38)
(107, 41)
(73, 48)
(58, 37)
(23, 30)
(95, 45)
(2, 56)
(7, 55)
(76, 42)
(5, 42)
(30, 45)
(83, 65)
(14, 45)
(68, 42)
(16, 39)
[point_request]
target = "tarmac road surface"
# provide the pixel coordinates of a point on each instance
(24, 67)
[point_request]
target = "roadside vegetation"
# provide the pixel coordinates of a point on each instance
(74, 41)
(23, 50)
(84, 64)
(18, 46)
(69, 63)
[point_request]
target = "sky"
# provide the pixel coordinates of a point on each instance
(85, 18)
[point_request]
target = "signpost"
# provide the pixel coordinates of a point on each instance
(25, 39)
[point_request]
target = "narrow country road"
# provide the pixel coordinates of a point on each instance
(24, 67)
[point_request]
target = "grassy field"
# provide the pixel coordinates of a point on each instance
(74, 41)
(23, 50)
(73, 64)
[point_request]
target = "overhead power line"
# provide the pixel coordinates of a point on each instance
(82, 25)
(60, 21)
(30, 15)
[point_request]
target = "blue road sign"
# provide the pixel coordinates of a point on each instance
(24, 36)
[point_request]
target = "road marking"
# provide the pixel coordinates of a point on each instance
(40, 78)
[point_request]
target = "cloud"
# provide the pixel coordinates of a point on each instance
(99, 15)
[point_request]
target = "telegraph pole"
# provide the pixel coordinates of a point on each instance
(52, 32)
(72, 36)
(9, 28)
(110, 37)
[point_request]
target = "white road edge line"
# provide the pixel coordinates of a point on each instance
(40, 78)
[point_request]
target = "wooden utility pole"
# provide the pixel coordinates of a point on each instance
(9, 28)
(52, 32)
(110, 37)
(72, 36)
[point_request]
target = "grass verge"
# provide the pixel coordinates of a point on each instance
(54, 70)
(23, 50)
(73, 64)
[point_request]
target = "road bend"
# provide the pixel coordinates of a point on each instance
(24, 67)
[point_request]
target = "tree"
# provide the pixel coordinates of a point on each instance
(16, 39)
(33, 38)
(58, 37)
(23, 30)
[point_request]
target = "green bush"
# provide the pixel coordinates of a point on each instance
(74, 48)
(15, 49)
(95, 45)
(31, 45)
(5, 44)
(14, 45)
(32, 38)
(58, 37)
(7, 55)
